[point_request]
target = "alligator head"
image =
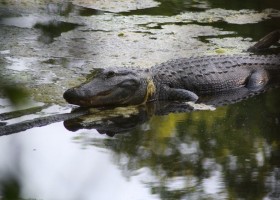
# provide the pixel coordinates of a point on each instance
(111, 87)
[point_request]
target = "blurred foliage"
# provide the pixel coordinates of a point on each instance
(10, 189)
(15, 92)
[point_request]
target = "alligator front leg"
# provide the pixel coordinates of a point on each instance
(266, 41)
(257, 80)
(176, 94)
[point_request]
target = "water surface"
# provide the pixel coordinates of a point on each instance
(229, 153)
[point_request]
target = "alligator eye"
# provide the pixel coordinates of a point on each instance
(110, 74)
(129, 84)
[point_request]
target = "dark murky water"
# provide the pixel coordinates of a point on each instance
(232, 152)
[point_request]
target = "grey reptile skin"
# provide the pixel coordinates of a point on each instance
(182, 79)
(213, 74)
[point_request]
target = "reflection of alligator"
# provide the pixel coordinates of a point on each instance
(180, 79)
(113, 121)
(124, 120)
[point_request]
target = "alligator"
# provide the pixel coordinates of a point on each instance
(182, 79)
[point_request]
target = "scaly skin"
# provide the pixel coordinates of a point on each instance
(183, 79)
(186, 79)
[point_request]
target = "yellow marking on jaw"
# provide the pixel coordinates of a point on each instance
(151, 89)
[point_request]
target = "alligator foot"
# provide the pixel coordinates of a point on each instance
(178, 94)
(257, 80)
(266, 41)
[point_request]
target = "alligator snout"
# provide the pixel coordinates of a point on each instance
(84, 97)
(71, 95)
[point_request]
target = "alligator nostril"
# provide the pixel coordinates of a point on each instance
(70, 94)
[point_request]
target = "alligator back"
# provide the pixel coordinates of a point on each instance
(211, 74)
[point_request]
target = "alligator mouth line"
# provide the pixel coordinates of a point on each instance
(106, 98)
(105, 93)
(99, 98)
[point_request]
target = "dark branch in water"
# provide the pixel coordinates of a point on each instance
(20, 113)
(38, 122)
(265, 42)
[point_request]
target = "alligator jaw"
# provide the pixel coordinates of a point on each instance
(73, 96)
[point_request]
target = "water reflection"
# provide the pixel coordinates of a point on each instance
(67, 8)
(42, 167)
(174, 7)
(49, 26)
(198, 155)
(206, 154)
(53, 29)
